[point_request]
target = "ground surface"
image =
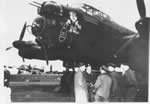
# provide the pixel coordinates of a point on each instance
(38, 94)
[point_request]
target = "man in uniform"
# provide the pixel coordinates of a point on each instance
(120, 86)
(129, 85)
(102, 87)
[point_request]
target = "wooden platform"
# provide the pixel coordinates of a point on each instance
(43, 88)
(37, 88)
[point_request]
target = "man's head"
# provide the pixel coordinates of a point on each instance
(111, 68)
(124, 68)
(82, 68)
(73, 16)
(89, 69)
(103, 69)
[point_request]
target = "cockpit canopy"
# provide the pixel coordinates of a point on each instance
(90, 10)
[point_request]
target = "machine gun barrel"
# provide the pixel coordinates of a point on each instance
(35, 5)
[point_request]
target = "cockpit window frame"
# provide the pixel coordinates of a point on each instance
(93, 11)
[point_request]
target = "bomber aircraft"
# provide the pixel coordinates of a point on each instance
(86, 35)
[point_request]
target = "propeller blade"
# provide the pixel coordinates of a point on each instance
(141, 8)
(37, 3)
(8, 48)
(34, 5)
(23, 31)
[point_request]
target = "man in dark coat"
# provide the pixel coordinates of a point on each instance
(129, 85)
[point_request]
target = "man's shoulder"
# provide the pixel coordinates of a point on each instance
(130, 72)
(104, 75)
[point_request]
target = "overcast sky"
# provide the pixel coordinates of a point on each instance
(13, 14)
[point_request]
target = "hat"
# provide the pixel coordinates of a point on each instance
(104, 68)
(112, 64)
(117, 69)
(124, 68)
(103, 71)
(81, 64)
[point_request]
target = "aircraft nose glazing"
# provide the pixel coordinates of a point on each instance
(38, 26)
(41, 24)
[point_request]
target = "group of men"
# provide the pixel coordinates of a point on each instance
(116, 84)
(111, 83)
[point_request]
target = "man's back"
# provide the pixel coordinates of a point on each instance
(131, 77)
(115, 88)
(102, 87)
(123, 86)
(131, 87)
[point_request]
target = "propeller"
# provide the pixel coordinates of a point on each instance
(142, 25)
(141, 8)
(22, 35)
(23, 31)
(139, 24)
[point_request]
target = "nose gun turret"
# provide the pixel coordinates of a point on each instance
(50, 9)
